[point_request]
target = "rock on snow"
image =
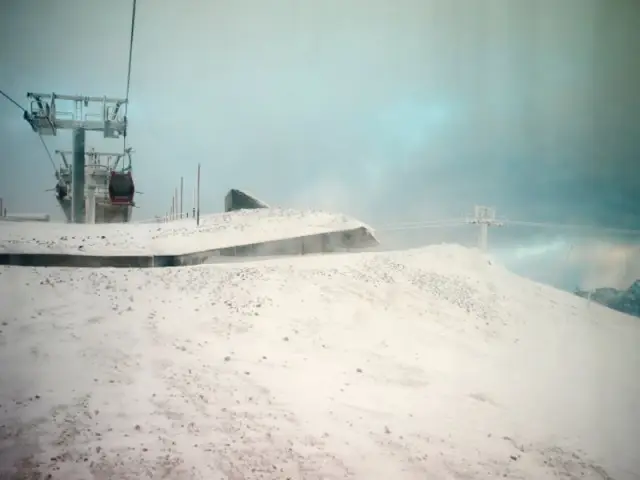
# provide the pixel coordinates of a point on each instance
(426, 364)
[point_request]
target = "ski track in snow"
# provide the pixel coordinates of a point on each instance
(425, 364)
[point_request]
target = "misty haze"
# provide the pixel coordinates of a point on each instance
(339, 306)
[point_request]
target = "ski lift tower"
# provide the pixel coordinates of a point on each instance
(485, 217)
(45, 119)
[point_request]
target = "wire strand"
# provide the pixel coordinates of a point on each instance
(447, 223)
(53, 164)
(568, 225)
(12, 101)
(423, 223)
(126, 105)
(417, 226)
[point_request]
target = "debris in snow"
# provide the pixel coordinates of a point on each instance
(130, 392)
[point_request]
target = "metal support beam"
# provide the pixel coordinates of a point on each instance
(77, 176)
(46, 118)
(83, 98)
(110, 159)
(90, 207)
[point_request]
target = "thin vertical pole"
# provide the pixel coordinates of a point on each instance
(181, 195)
(175, 198)
(484, 233)
(198, 198)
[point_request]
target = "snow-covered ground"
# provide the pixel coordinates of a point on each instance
(173, 238)
(425, 364)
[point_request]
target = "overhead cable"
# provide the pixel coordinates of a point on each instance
(12, 101)
(53, 164)
(126, 105)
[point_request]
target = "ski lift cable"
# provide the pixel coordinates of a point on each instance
(12, 101)
(421, 223)
(46, 149)
(455, 222)
(571, 226)
(126, 105)
(53, 164)
(418, 226)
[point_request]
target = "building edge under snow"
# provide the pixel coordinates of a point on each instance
(344, 240)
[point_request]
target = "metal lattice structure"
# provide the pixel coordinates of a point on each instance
(45, 118)
(98, 170)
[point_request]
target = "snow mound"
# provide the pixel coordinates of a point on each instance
(430, 363)
(221, 230)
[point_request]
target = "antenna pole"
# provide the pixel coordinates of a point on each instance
(175, 201)
(198, 198)
(181, 195)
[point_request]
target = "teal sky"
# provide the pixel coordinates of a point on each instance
(389, 110)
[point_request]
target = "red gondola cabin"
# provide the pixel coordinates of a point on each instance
(121, 188)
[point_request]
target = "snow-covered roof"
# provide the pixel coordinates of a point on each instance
(242, 227)
(237, 199)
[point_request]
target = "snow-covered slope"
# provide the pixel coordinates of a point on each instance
(182, 236)
(426, 364)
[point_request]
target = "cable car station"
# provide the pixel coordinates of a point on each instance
(109, 187)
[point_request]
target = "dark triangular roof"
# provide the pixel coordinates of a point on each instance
(239, 200)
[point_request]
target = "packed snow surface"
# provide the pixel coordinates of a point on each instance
(426, 364)
(220, 230)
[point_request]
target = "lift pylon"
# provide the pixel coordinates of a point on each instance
(46, 118)
(485, 217)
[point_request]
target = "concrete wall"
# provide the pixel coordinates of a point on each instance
(82, 261)
(26, 218)
(321, 243)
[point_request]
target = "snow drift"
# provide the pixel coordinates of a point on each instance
(430, 363)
